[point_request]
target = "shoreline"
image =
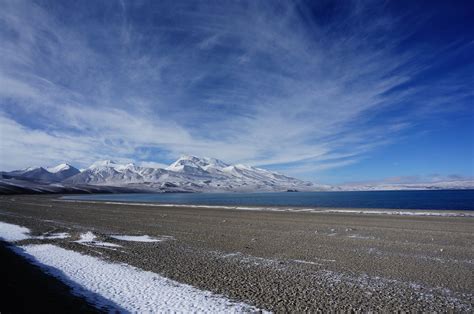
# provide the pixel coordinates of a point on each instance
(276, 261)
(369, 211)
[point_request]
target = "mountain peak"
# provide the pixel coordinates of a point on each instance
(196, 162)
(60, 167)
(187, 174)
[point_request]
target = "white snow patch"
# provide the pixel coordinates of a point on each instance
(58, 168)
(89, 238)
(51, 236)
(10, 232)
(306, 262)
(143, 238)
(358, 236)
(125, 288)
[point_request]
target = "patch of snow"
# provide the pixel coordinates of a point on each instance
(204, 163)
(89, 238)
(326, 260)
(122, 287)
(51, 236)
(11, 233)
(143, 238)
(306, 262)
(358, 236)
(231, 255)
(58, 168)
(32, 168)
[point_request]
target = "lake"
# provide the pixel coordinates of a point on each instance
(439, 199)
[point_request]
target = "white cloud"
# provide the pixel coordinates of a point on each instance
(151, 164)
(248, 84)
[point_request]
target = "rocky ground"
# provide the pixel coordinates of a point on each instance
(278, 261)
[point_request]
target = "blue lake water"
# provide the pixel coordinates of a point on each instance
(445, 199)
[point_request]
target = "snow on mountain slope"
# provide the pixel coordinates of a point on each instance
(196, 162)
(35, 173)
(63, 171)
(60, 167)
(189, 173)
(104, 175)
(194, 174)
(52, 174)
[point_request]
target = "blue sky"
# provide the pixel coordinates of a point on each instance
(330, 91)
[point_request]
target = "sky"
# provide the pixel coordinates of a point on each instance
(327, 91)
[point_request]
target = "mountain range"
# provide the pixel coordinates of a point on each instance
(54, 174)
(187, 174)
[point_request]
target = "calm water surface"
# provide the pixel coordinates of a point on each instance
(451, 200)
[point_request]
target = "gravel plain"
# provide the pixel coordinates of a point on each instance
(278, 261)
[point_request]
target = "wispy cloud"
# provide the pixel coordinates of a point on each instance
(257, 82)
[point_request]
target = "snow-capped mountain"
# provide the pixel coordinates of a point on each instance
(195, 162)
(34, 173)
(52, 174)
(63, 171)
(189, 173)
(58, 168)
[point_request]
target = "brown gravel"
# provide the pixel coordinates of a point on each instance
(280, 261)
